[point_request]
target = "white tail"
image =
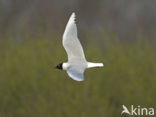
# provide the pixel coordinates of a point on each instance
(90, 64)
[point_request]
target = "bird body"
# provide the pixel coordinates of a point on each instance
(77, 63)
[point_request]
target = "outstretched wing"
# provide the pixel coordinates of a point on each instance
(76, 72)
(71, 42)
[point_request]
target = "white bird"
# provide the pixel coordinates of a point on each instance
(77, 62)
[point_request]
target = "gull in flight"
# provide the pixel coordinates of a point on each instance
(77, 62)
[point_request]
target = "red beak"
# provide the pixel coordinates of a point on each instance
(54, 67)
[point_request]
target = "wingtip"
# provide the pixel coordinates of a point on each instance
(71, 22)
(73, 16)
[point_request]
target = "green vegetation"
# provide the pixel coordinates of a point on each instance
(29, 87)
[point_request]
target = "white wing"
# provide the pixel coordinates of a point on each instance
(70, 41)
(76, 72)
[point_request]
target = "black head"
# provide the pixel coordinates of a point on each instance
(59, 66)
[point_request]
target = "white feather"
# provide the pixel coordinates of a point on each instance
(70, 40)
(90, 64)
(77, 63)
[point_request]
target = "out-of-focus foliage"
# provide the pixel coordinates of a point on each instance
(30, 87)
(120, 33)
(123, 17)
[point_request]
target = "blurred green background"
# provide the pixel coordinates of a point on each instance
(121, 34)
